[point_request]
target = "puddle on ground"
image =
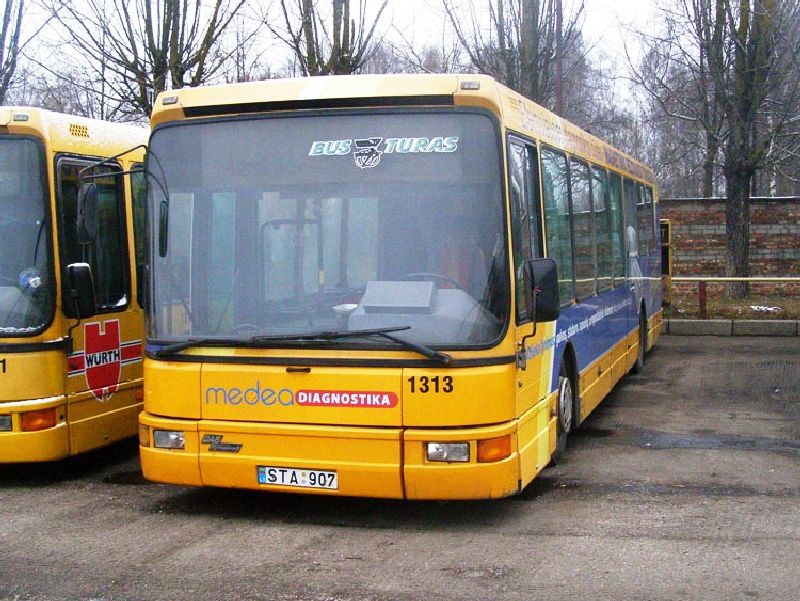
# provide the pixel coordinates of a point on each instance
(543, 485)
(655, 440)
(587, 432)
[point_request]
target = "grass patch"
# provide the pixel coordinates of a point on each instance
(756, 306)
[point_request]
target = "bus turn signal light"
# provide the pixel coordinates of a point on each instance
(494, 449)
(33, 421)
(144, 435)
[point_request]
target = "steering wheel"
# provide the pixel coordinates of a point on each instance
(421, 275)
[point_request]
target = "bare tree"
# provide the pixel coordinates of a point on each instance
(139, 48)
(9, 37)
(409, 56)
(246, 62)
(12, 43)
(721, 66)
(519, 46)
(341, 47)
(678, 79)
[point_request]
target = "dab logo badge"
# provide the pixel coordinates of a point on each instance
(103, 357)
(367, 153)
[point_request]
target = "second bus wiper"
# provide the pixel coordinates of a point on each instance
(386, 333)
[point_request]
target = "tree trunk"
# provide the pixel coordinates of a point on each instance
(737, 229)
(709, 165)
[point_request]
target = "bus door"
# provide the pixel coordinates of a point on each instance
(104, 364)
(533, 368)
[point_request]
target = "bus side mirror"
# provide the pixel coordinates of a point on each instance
(81, 301)
(88, 213)
(541, 290)
(163, 228)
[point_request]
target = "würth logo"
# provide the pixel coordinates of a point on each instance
(103, 357)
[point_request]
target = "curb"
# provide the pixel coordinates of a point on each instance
(732, 327)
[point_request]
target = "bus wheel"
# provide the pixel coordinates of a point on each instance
(639, 365)
(565, 406)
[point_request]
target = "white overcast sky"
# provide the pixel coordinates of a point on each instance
(606, 23)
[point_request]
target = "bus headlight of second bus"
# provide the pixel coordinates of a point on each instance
(5, 423)
(168, 439)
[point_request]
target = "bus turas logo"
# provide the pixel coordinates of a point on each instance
(214, 442)
(103, 357)
(268, 397)
(367, 153)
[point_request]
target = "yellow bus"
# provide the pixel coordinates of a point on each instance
(71, 376)
(404, 286)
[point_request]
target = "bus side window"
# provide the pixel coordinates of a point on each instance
(107, 254)
(651, 218)
(520, 219)
(616, 228)
(632, 244)
(583, 228)
(139, 196)
(602, 228)
(555, 197)
(644, 221)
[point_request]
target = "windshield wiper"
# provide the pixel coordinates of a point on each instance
(333, 335)
(177, 347)
(322, 336)
(326, 335)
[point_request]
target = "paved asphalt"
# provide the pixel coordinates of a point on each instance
(684, 484)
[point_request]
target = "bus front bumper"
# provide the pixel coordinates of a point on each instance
(19, 445)
(367, 462)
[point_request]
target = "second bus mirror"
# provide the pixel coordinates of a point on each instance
(542, 290)
(88, 213)
(81, 301)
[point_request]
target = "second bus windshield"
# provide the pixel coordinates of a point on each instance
(287, 226)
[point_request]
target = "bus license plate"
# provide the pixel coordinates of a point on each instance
(290, 476)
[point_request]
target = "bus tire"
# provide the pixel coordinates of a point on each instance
(565, 412)
(639, 365)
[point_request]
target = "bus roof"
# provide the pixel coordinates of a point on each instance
(358, 91)
(71, 133)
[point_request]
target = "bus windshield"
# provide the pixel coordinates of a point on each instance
(282, 226)
(26, 284)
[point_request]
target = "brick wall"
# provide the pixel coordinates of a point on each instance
(698, 238)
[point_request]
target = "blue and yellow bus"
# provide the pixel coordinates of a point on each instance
(390, 286)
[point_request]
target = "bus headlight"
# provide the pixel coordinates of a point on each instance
(168, 439)
(448, 452)
(5, 423)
